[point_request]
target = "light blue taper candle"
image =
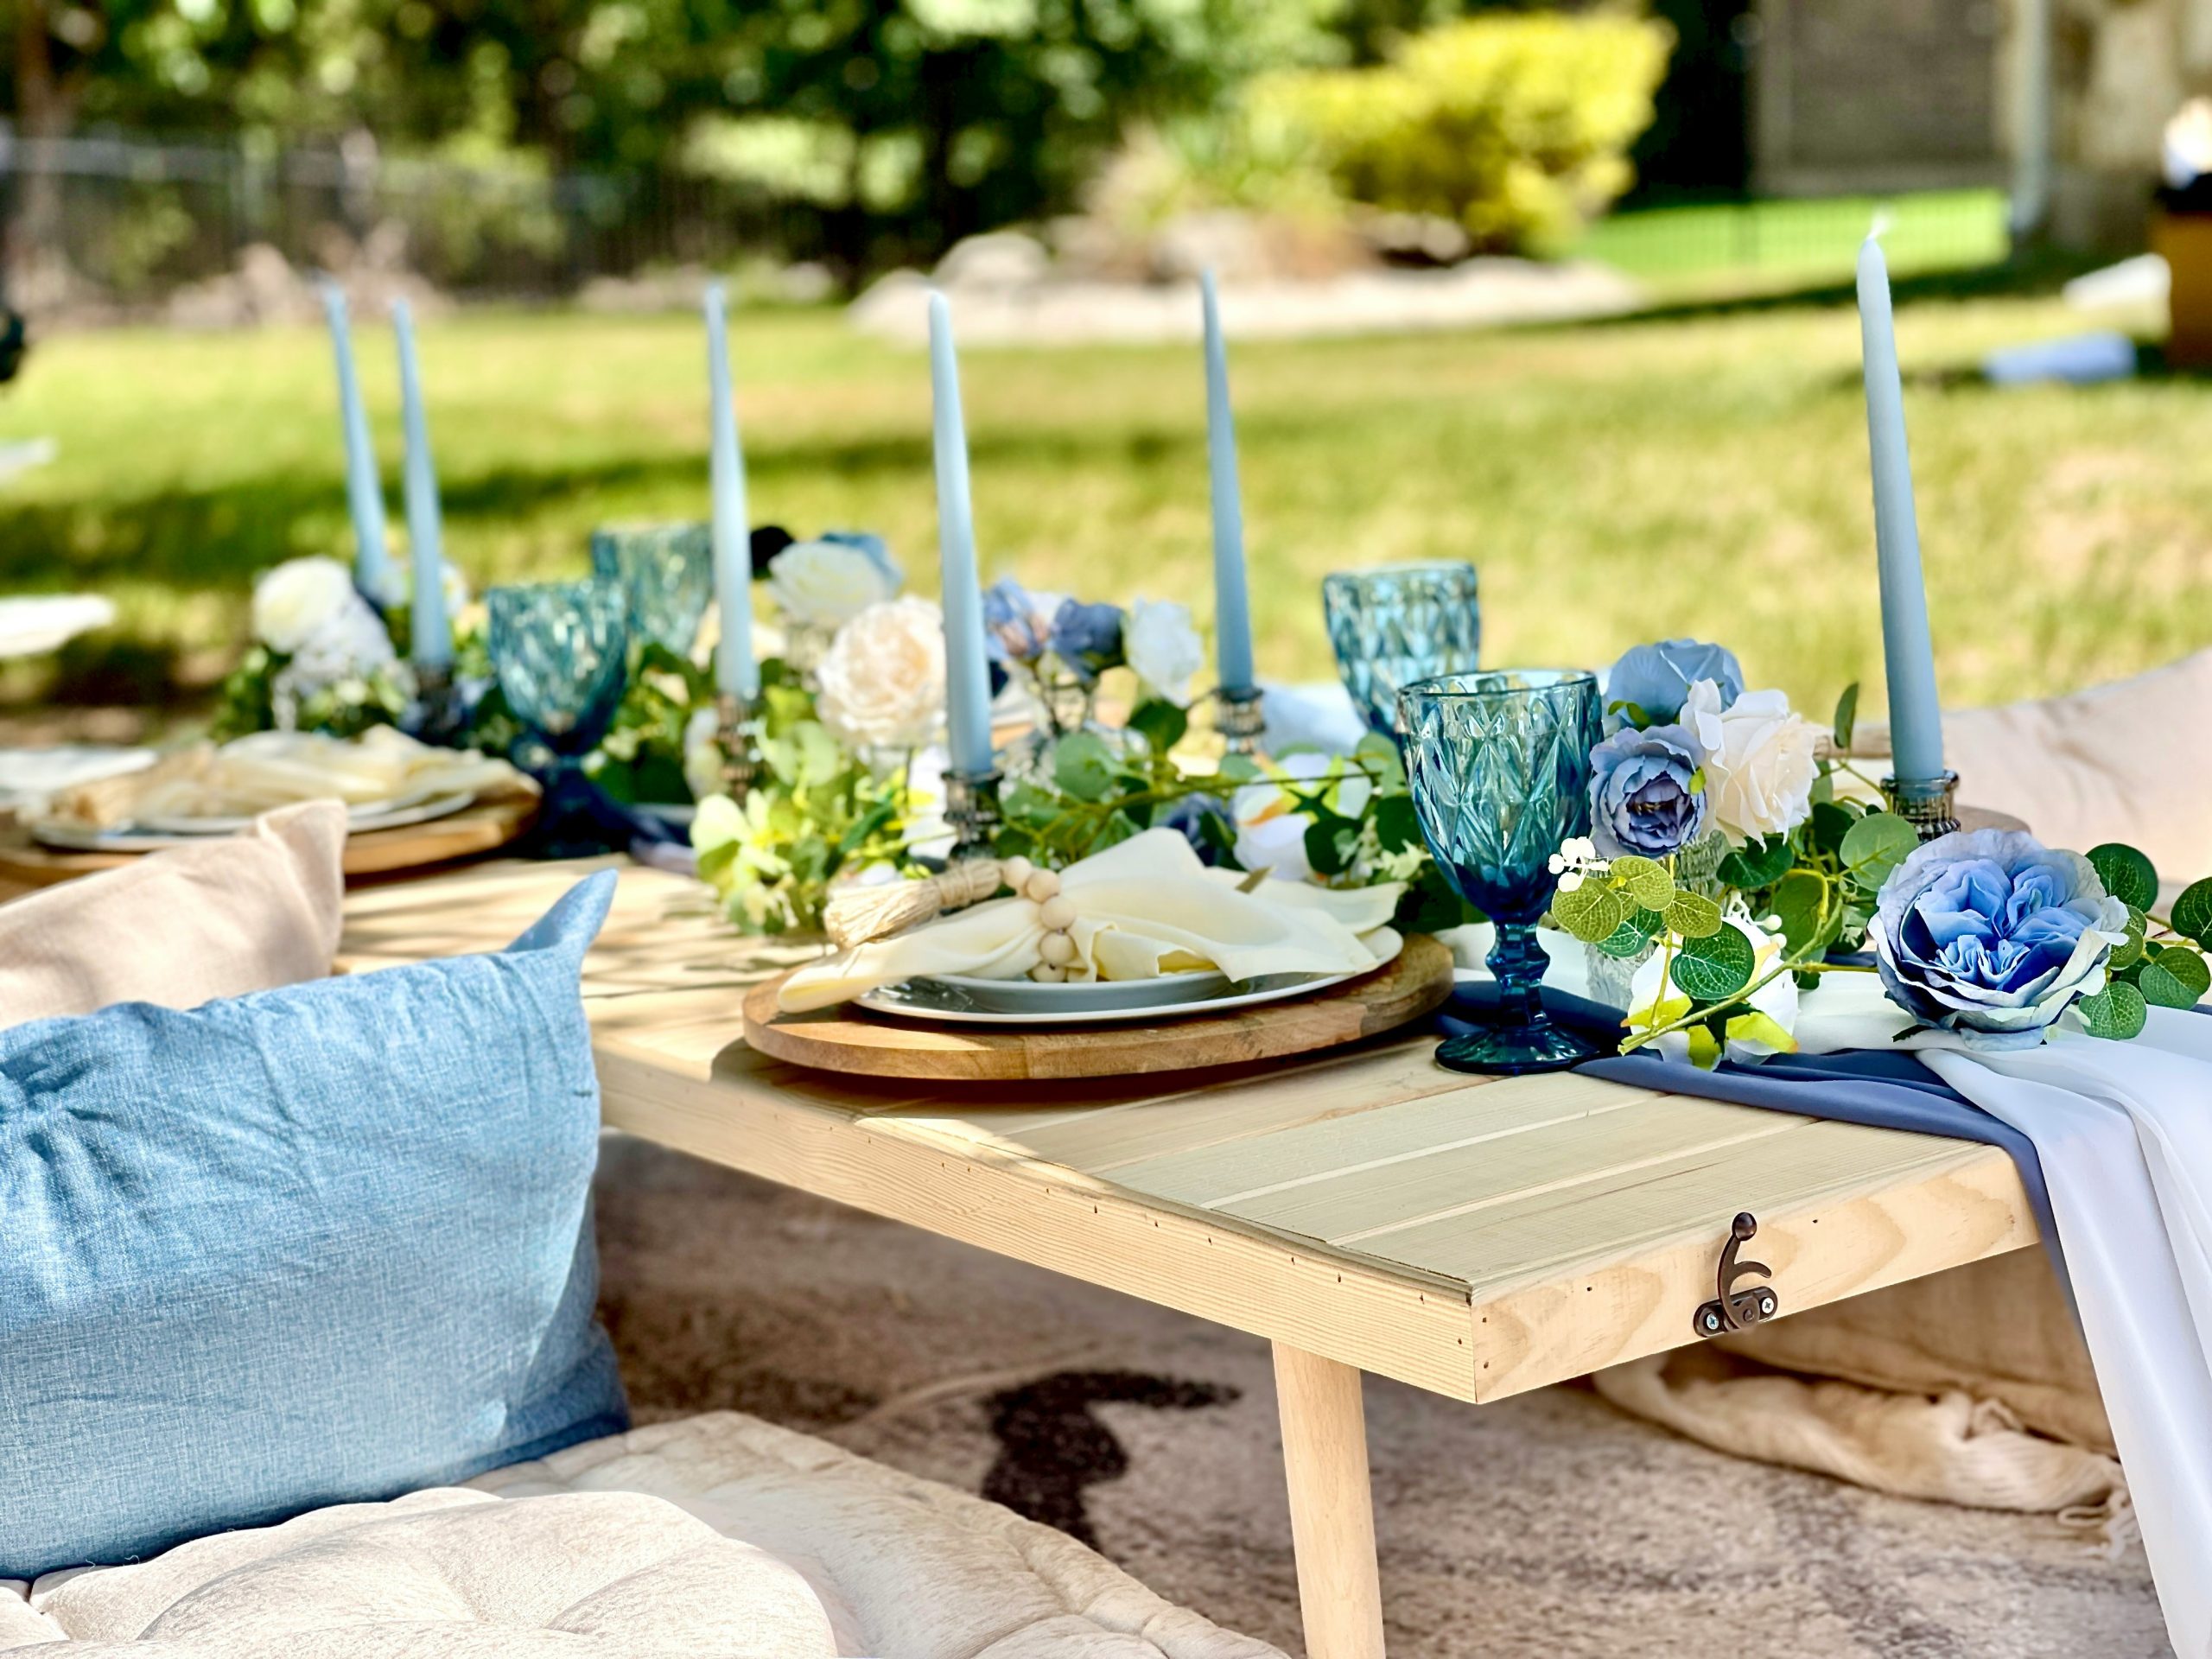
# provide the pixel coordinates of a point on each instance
(363, 490)
(736, 673)
(433, 634)
(1916, 711)
(1232, 615)
(967, 678)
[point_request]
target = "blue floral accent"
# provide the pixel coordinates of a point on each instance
(1187, 816)
(1087, 638)
(1990, 934)
(1646, 795)
(1016, 626)
(1647, 687)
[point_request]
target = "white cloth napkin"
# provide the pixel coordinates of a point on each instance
(1144, 907)
(267, 770)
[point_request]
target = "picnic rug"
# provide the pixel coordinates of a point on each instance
(1545, 1527)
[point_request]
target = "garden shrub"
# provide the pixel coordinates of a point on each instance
(1517, 127)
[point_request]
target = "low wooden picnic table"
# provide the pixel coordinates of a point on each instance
(1364, 1210)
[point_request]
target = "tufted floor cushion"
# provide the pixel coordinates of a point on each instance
(908, 1568)
(717, 1535)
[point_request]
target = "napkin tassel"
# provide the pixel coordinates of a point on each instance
(856, 915)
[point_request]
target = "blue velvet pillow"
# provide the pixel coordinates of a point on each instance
(313, 1245)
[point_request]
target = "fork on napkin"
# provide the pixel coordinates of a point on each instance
(1143, 907)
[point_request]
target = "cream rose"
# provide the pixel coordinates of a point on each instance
(882, 680)
(827, 583)
(1760, 761)
(298, 599)
(1162, 647)
(1271, 825)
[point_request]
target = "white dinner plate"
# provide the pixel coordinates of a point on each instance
(153, 834)
(959, 1001)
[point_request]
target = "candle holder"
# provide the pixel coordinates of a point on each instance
(737, 734)
(971, 807)
(1240, 716)
(1928, 804)
(439, 714)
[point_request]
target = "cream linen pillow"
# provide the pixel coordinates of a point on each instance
(2123, 761)
(247, 912)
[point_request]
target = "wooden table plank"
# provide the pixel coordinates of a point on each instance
(1472, 1236)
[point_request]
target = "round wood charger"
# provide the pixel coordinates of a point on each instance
(483, 828)
(872, 1045)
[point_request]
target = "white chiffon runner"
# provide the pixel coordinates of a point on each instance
(2124, 1133)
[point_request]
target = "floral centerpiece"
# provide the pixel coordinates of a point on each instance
(1736, 859)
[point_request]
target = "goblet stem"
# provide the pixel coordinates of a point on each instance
(1520, 1037)
(1517, 962)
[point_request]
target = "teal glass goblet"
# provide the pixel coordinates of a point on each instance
(1499, 767)
(667, 573)
(1395, 624)
(561, 653)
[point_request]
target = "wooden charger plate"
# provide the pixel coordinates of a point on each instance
(846, 1039)
(483, 828)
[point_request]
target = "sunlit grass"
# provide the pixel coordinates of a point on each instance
(1614, 483)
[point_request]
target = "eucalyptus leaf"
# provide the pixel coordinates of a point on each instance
(1875, 845)
(1846, 715)
(1632, 935)
(2117, 1012)
(1799, 899)
(1759, 865)
(1714, 967)
(1397, 826)
(1592, 912)
(2178, 979)
(1692, 915)
(2193, 911)
(1645, 879)
(2127, 955)
(1831, 822)
(1082, 766)
(2128, 875)
(1162, 723)
(1378, 757)
(1330, 841)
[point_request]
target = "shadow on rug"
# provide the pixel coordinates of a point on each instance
(1544, 1527)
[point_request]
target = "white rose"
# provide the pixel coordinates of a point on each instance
(882, 679)
(827, 583)
(1761, 760)
(292, 602)
(1270, 824)
(1162, 647)
(1767, 1026)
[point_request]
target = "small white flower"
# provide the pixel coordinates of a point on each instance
(1570, 881)
(295, 601)
(827, 583)
(702, 752)
(882, 679)
(1163, 647)
(1761, 760)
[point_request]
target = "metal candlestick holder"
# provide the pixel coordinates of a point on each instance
(439, 713)
(1240, 716)
(1931, 805)
(737, 734)
(971, 807)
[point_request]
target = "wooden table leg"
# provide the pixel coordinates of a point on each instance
(1332, 1507)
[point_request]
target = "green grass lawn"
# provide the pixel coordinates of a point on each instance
(1699, 475)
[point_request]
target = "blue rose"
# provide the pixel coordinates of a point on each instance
(876, 549)
(1649, 684)
(1015, 625)
(1087, 638)
(1187, 816)
(1990, 934)
(1645, 794)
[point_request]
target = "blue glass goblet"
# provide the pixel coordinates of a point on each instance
(1398, 623)
(667, 573)
(1499, 766)
(561, 653)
